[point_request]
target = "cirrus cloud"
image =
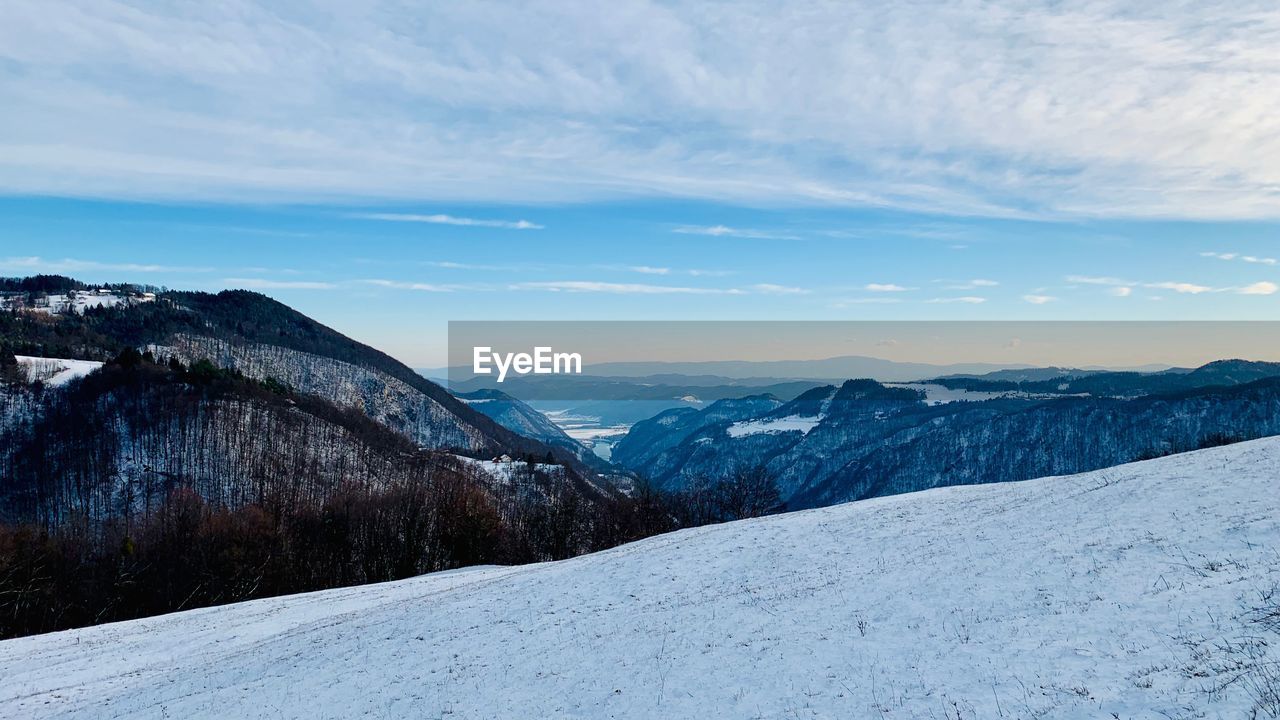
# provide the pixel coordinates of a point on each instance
(592, 286)
(270, 284)
(1035, 108)
(449, 220)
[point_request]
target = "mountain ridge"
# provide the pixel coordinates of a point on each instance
(862, 438)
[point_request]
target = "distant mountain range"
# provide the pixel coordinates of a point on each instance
(864, 438)
(761, 373)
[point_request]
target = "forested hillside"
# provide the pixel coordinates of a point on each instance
(147, 487)
(230, 448)
(864, 440)
(265, 339)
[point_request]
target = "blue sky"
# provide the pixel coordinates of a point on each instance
(394, 276)
(386, 169)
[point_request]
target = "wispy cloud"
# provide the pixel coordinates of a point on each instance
(1259, 288)
(662, 270)
(964, 299)
(596, 286)
(885, 287)
(1039, 299)
(71, 265)
(1185, 288)
(269, 284)
(968, 284)
(1059, 113)
(1097, 280)
(449, 265)
(592, 286)
(725, 231)
(403, 285)
(1243, 258)
(450, 220)
(772, 289)
(1124, 288)
(846, 302)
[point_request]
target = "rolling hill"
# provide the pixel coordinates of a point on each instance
(1146, 590)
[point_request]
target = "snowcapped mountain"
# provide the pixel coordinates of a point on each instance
(1146, 590)
(864, 439)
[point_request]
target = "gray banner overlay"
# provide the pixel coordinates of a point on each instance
(664, 361)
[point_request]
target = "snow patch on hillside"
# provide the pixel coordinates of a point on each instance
(55, 372)
(1127, 592)
(76, 301)
(935, 394)
(506, 470)
(792, 423)
(941, 395)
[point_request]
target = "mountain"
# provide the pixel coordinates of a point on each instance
(528, 422)
(1147, 590)
(1021, 375)
(671, 388)
(1054, 381)
(823, 369)
(142, 488)
(162, 451)
(649, 438)
(118, 441)
(864, 439)
(516, 416)
(264, 339)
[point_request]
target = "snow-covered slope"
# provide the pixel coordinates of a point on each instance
(55, 372)
(386, 399)
(1127, 592)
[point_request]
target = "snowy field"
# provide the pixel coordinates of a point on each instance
(55, 372)
(792, 423)
(77, 301)
(1124, 593)
(941, 394)
(504, 471)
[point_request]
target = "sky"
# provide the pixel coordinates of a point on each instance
(386, 168)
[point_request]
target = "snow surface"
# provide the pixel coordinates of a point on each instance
(504, 471)
(55, 372)
(1118, 593)
(941, 395)
(791, 423)
(77, 301)
(935, 394)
